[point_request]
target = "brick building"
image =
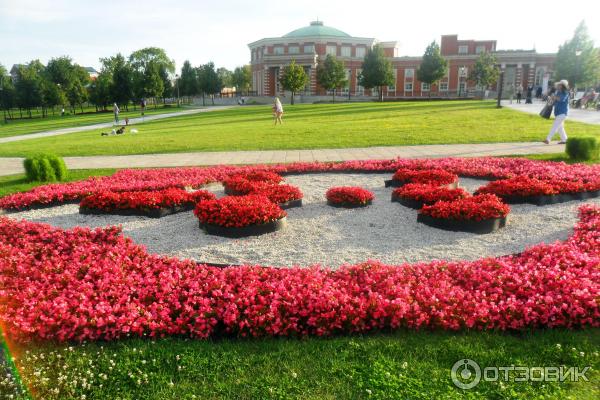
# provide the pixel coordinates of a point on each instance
(305, 45)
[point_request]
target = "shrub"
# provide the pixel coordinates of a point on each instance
(583, 148)
(45, 168)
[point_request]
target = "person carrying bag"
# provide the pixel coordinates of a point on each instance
(547, 110)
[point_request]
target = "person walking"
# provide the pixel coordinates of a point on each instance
(560, 100)
(116, 113)
(519, 94)
(529, 99)
(277, 110)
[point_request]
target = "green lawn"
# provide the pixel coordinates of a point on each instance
(403, 365)
(37, 124)
(309, 127)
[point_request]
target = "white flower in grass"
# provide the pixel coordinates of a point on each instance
(294, 375)
(171, 384)
(404, 365)
(369, 392)
(558, 346)
(581, 353)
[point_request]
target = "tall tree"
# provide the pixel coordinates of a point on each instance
(293, 78)
(242, 78)
(376, 70)
(208, 81)
(331, 74)
(121, 90)
(433, 66)
(61, 71)
(225, 76)
(152, 82)
(27, 87)
(51, 94)
(188, 81)
(577, 59)
(156, 60)
(99, 90)
(485, 71)
(77, 94)
(7, 91)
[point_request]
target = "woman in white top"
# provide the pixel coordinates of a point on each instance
(277, 110)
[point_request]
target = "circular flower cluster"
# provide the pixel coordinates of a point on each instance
(475, 208)
(238, 211)
(279, 194)
(241, 184)
(166, 198)
(518, 186)
(349, 196)
(437, 177)
(428, 194)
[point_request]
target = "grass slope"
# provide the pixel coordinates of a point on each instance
(311, 126)
(402, 365)
(52, 122)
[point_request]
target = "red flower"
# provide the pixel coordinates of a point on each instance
(475, 208)
(238, 211)
(435, 176)
(279, 194)
(428, 194)
(167, 198)
(518, 186)
(349, 195)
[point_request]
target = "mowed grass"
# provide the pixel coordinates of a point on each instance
(51, 122)
(311, 127)
(403, 365)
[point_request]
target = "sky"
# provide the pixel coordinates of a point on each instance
(219, 31)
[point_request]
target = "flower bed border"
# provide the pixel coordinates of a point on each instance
(244, 231)
(290, 204)
(478, 227)
(151, 212)
(410, 203)
(349, 205)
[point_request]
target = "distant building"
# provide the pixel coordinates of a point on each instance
(14, 72)
(91, 72)
(305, 45)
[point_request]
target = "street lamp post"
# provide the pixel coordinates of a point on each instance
(460, 76)
(2, 103)
(177, 84)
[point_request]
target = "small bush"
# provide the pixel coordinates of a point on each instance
(45, 168)
(583, 148)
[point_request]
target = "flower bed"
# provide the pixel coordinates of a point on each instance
(238, 216)
(153, 204)
(195, 177)
(415, 195)
(349, 197)
(483, 213)
(435, 177)
(286, 196)
(253, 181)
(82, 284)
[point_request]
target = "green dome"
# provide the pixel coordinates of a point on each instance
(316, 28)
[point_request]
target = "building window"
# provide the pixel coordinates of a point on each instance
(293, 50)
(331, 49)
(479, 49)
(309, 48)
(346, 87)
(443, 86)
(392, 87)
(408, 86)
(360, 51)
(409, 73)
(425, 87)
(359, 89)
(278, 50)
(346, 51)
(463, 87)
(463, 49)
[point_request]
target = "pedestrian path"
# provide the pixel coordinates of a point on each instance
(132, 121)
(587, 116)
(10, 166)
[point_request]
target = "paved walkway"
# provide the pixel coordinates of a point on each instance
(10, 166)
(587, 116)
(132, 121)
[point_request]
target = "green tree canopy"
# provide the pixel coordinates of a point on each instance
(209, 82)
(293, 78)
(242, 78)
(99, 90)
(376, 70)
(141, 59)
(433, 66)
(577, 60)
(485, 71)
(7, 90)
(28, 90)
(188, 81)
(226, 76)
(331, 74)
(121, 90)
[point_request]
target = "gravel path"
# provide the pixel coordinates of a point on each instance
(317, 233)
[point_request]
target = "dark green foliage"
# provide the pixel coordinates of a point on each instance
(433, 66)
(376, 70)
(331, 74)
(293, 78)
(585, 148)
(45, 168)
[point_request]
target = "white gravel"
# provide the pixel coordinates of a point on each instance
(319, 234)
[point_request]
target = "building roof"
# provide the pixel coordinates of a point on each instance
(316, 28)
(90, 70)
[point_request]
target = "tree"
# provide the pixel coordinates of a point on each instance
(331, 74)
(485, 71)
(208, 81)
(242, 78)
(141, 59)
(293, 78)
(52, 95)
(99, 90)
(77, 94)
(61, 71)
(152, 82)
(167, 84)
(433, 66)
(376, 70)
(225, 76)
(188, 81)
(7, 91)
(121, 89)
(28, 85)
(145, 63)
(577, 60)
